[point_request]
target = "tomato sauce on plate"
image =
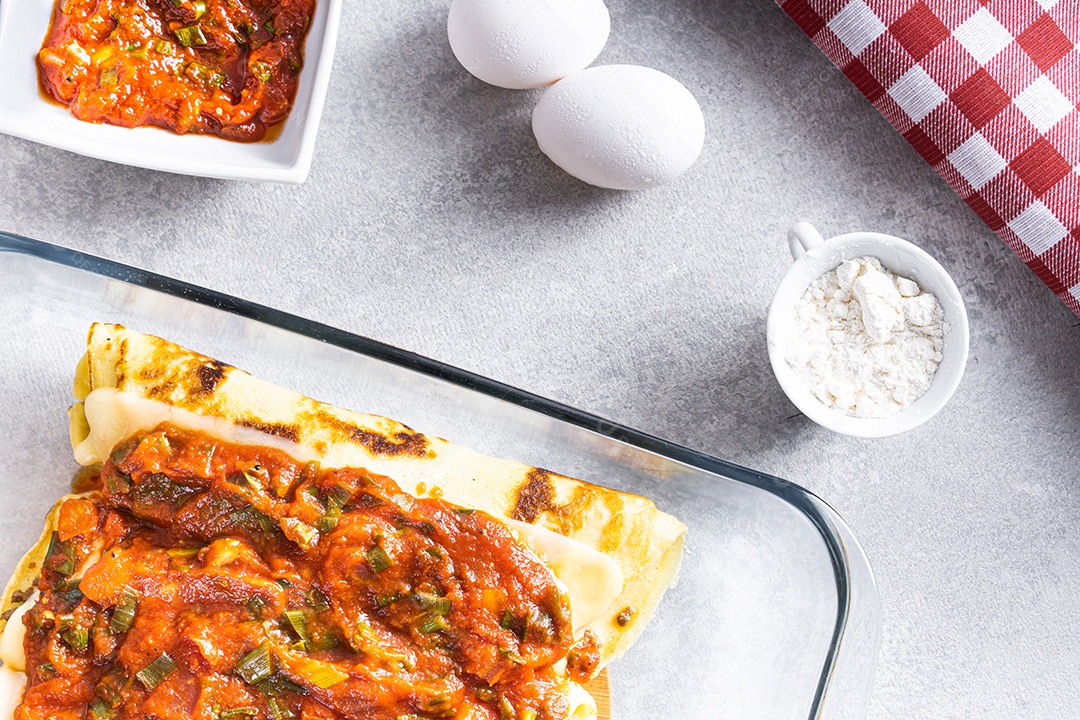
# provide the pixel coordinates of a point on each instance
(222, 67)
(214, 581)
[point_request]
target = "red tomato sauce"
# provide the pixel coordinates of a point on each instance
(229, 582)
(222, 67)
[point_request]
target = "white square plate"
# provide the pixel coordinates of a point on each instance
(25, 112)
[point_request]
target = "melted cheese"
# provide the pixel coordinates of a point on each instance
(592, 579)
(11, 691)
(11, 643)
(582, 704)
(12, 674)
(114, 415)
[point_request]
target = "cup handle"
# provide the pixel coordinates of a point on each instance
(801, 237)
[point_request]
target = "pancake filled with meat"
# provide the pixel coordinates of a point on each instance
(244, 551)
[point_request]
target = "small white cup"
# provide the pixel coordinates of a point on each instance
(813, 258)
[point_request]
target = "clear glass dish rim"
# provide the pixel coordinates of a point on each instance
(819, 513)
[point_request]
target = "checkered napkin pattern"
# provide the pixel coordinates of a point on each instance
(988, 92)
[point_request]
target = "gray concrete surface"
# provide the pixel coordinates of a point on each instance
(432, 222)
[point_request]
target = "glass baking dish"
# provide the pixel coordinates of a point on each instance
(776, 614)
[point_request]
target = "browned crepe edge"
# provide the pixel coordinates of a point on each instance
(27, 572)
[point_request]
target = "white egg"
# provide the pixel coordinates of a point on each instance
(522, 44)
(620, 126)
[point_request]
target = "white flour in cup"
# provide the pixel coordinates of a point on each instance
(867, 341)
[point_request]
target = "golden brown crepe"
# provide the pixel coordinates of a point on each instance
(21, 583)
(643, 542)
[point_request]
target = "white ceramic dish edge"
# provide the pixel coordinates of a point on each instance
(26, 113)
(815, 257)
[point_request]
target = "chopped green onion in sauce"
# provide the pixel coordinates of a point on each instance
(190, 36)
(261, 70)
(279, 710)
(326, 523)
(432, 623)
(60, 557)
(123, 451)
(214, 78)
(277, 684)
(364, 636)
(257, 665)
(255, 606)
(298, 621)
(155, 673)
(124, 614)
(76, 637)
(338, 497)
(433, 603)
(299, 532)
(317, 600)
(378, 559)
(112, 686)
(118, 484)
(71, 592)
(183, 553)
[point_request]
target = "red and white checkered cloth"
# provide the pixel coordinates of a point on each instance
(988, 92)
